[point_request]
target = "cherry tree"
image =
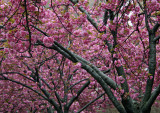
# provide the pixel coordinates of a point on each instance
(79, 55)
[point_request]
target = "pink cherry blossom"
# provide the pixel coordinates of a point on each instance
(120, 79)
(48, 41)
(62, 55)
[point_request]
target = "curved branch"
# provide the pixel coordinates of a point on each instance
(156, 38)
(155, 28)
(27, 23)
(44, 33)
(64, 49)
(90, 19)
(18, 74)
(78, 94)
(5, 78)
(146, 19)
(98, 75)
(151, 100)
(107, 79)
(90, 103)
(105, 87)
(151, 68)
(55, 47)
(52, 101)
(77, 83)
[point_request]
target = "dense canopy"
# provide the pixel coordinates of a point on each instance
(69, 56)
